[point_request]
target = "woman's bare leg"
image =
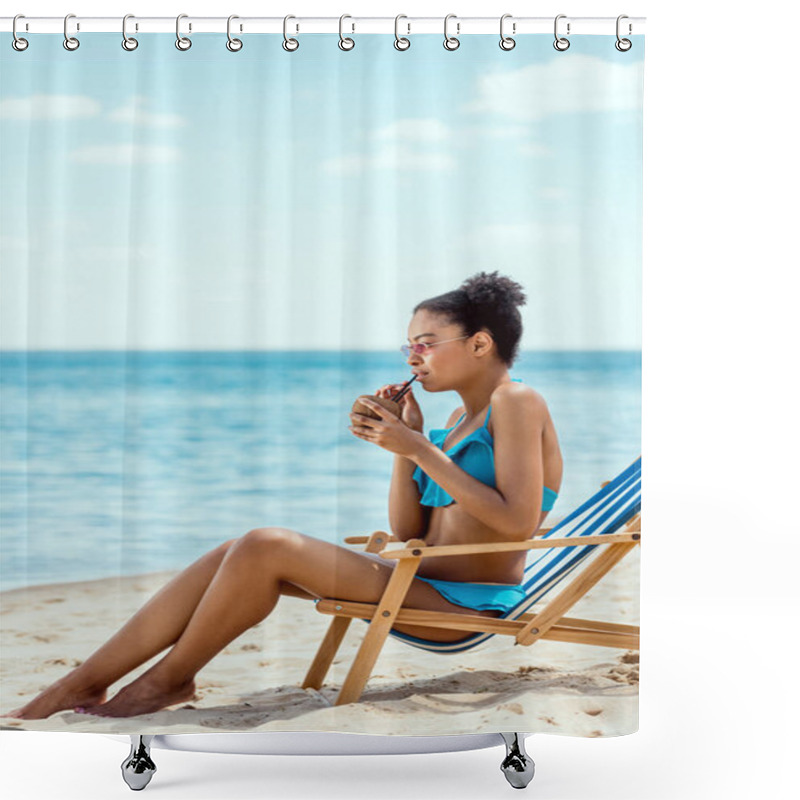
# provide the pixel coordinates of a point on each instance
(244, 590)
(155, 626)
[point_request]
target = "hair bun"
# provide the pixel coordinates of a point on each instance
(492, 289)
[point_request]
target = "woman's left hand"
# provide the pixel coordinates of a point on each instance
(389, 432)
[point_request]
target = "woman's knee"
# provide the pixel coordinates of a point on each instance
(268, 538)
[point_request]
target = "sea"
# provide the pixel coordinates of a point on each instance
(119, 463)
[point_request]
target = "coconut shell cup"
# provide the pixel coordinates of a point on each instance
(389, 405)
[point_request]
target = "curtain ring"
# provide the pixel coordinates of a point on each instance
(451, 42)
(234, 45)
(623, 45)
(182, 42)
(128, 42)
(507, 42)
(18, 43)
(345, 43)
(561, 44)
(289, 44)
(401, 43)
(70, 42)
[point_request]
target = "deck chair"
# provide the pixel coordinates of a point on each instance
(609, 520)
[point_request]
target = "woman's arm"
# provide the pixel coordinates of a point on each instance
(514, 507)
(407, 518)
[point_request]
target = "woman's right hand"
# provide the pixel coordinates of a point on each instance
(410, 412)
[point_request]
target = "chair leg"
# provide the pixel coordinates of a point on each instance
(138, 768)
(379, 627)
(517, 766)
(315, 676)
(326, 653)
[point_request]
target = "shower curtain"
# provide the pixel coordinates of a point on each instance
(207, 255)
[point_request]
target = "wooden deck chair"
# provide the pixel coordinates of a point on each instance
(610, 519)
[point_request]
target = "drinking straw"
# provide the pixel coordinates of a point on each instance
(404, 389)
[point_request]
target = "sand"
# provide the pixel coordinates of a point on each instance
(254, 683)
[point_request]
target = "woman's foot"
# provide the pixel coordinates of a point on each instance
(143, 696)
(60, 696)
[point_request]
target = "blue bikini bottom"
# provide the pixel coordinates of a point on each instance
(479, 596)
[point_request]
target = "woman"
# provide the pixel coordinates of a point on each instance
(492, 477)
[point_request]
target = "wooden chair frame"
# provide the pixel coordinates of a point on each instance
(549, 623)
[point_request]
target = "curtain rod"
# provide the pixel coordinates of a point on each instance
(513, 26)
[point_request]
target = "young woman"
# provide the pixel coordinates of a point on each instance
(491, 476)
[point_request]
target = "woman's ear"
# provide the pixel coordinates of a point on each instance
(482, 342)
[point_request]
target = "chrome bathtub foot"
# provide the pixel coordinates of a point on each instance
(138, 768)
(517, 766)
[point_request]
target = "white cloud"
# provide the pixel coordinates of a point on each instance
(49, 107)
(532, 148)
(414, 130)
(519, 237)
(504, 131)
(390, 157)
(564, 84)
(125, 154)
(405, 142)
(134, 113)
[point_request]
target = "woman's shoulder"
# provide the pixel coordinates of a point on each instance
(517, 399)
(514, 393)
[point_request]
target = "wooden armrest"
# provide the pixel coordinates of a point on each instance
(393, 538)
(364, 539)
(419, 550)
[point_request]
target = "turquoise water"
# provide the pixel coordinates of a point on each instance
(118, 463)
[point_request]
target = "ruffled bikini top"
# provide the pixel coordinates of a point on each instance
(475, 455)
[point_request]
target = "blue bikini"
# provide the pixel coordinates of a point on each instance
(475, 455)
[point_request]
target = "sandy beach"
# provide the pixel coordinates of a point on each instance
(254, 683)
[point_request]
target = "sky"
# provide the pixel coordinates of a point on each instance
(159, 199)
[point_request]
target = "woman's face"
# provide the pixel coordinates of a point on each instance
(442, 365)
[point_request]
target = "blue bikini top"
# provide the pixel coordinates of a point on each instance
(475, 455)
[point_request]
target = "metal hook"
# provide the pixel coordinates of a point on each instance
(346, 43)
(401, 43)
(561, 44)
(70, 42)
(182, 42)
(128, 42)
(623, 45)
(18, 43)
(506, 42)
(290, 44)
(451, 42)
(234, 45)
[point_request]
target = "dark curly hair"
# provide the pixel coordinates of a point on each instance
(485, 300)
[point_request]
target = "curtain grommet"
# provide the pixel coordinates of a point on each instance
(561, 43)
(400, 42)
(233, 44)
(18, 43)
(451, 42)
(70, 42)
(345, 42)
(623, 45)
(128, 42)
(289, 44)
(182, 42)
(507, 42)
